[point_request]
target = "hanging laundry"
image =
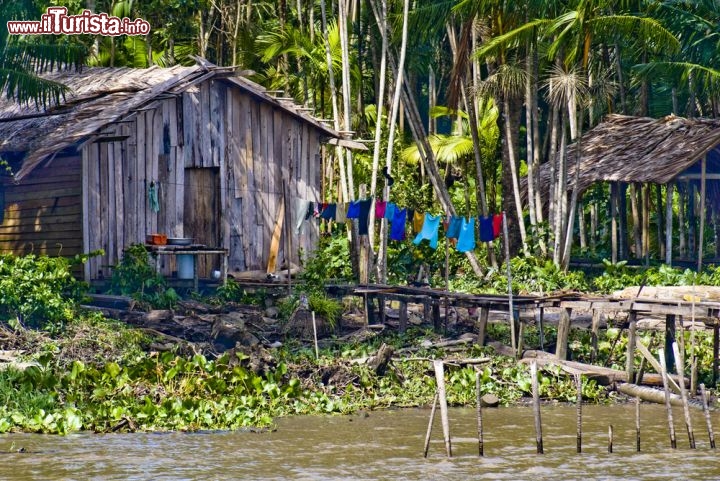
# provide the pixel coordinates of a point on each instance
(453, 229)
(364, 217)
(310, 210)
(380, 207)
(497, 221)
(486, 229)
(328, 212)
(341, 213)
(353, 211)
(418, 221)
(466, 238)
(316, 209)
(397, 226)
(390, 211)
(301, 209)
(429, 230)
(153, 197)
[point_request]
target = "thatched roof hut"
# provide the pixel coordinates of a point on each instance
(199, 152)
(670, 152)
(639, 149)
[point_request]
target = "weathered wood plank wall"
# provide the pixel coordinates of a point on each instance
(43, 214)
(253, 147)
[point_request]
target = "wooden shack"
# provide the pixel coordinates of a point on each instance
(217, 151)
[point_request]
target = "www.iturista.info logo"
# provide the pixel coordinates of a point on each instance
(57, 22)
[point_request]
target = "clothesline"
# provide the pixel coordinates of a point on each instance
(425, 225)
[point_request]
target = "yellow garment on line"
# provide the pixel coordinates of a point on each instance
(418, 220)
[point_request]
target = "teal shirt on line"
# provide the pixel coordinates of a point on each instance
(429, 230)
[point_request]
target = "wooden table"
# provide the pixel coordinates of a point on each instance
(193, 250)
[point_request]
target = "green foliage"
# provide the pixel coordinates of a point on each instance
(39, 291)
(324, 307)
(331, 260)
(134, 276)
(232, 291)
(534, 274)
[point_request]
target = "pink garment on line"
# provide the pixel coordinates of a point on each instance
(380, 207)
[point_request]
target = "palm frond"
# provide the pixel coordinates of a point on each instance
(26, 87)
(509, 79)
(653, 35)
(512, 39)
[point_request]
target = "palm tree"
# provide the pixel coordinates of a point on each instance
(23, 58)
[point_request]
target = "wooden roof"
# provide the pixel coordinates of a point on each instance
(100, 96)
(637, 149)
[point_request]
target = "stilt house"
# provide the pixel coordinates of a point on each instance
(196, 152)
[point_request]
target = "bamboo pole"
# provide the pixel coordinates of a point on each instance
(478, 403)
(680, 362)
(317, 351)
(288, 237)
(440, 379)
(578, 386)
(706, 411)
(536, 408)
(668, 407)
(637, 423)
(430, 424)
(701, 236)
(693, 355)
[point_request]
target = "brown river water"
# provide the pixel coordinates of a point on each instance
(384, 445)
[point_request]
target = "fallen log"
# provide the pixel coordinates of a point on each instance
(602, 375)
(654, 395)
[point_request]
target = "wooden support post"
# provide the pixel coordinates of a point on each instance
(427, 310)
(430, 424)
(646, 223)
(669, 339)
(682, 215)
(610, 439)
(541, 328)
(562, 333)
(436, 315)
(634, 195)
(578, 407)
(478, 407)
(692, 219)
(668, 407)
(637, 424)
(482, 321)
(630, 356)
(716, 352)
(402, 317)
(614, 221)
(660, 215)
(622, 211)
(595, 327)
(680, 362)
(381, 308)
(701, 235)
(521, 332)
(536, 408)
(668, 222)
(440, 379)
(706, 411)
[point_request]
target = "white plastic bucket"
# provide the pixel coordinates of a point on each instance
(185, 266)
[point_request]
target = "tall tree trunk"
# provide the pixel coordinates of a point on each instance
(567, 248)
(660, 221)
(347, 112)
(554, 122)
(335, 108)
(529, 115)
(560, 193)
(582, 226)
(393, 117)
(536, 144)
(511, 121)
(593, 226)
